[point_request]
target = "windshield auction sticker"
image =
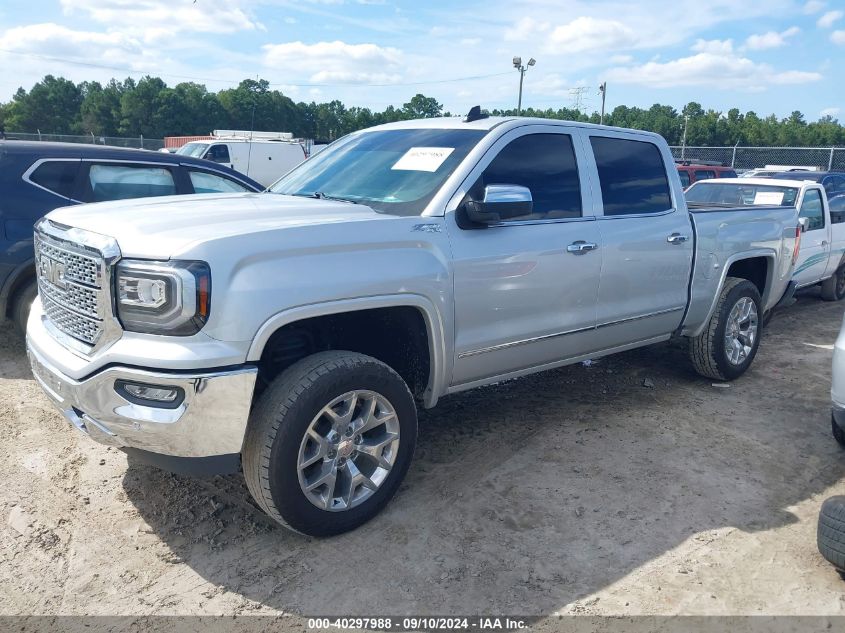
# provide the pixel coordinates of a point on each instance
(768, 197)
(423, 158)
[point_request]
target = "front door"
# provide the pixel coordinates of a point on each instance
(526, 288)
(815, 242)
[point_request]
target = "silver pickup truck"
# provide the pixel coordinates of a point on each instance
(292, 333)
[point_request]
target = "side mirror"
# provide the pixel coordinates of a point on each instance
(501, 202)
(803, 223)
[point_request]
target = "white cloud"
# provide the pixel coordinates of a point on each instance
(833, 112)
(838, 37)
(336, 61)
(829, 19)
(621, 59)
(716, 47)
(717, 70)
(814, 6)
(471, 41)
(54, 40)
(155, 20)
(771, 39)
(581, 35)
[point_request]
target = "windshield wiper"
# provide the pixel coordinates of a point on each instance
(321, 196)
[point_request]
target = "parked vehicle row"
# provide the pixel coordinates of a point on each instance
(690, 172)
(36, 177)
(292, 333)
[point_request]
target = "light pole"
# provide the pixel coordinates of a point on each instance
(517, 63)
(684, 139)
(603, 92)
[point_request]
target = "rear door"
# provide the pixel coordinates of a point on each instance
(646, 239)
(525, 289)
(815, 242)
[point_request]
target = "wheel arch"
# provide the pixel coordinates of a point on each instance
(430, 315)
(18, 279)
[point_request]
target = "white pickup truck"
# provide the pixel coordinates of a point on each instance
(821, 258)
(292, 333)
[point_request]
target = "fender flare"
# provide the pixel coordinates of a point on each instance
(13, 284)
(435, 330)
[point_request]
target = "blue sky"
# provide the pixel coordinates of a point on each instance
(771, 56)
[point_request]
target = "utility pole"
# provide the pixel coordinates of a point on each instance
(603, 92)
(684, 139)
(517, 63)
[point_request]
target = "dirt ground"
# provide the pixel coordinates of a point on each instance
(630, 486)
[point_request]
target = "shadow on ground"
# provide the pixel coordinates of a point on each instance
(529, 495)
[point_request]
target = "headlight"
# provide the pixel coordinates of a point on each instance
(171, 298)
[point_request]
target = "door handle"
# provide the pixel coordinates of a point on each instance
(677, 238)
(824, 242)
(581, 247)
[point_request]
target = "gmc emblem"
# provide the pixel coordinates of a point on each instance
(53, 271)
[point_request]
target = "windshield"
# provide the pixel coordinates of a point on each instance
(733, 194)
(193, 149)
(393, 171)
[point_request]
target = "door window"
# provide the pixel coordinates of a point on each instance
(837, 209)
(633, 176)
(120, 182)
(684, 178)
(811, 208)
(218, 154)
(704, 174)
(57, 176)
(546, 165)
(204, 182)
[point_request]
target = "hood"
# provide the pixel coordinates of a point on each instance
(160, 228)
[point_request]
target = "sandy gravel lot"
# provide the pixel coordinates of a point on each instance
(631, 486)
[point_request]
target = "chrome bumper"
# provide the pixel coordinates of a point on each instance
(210, 421)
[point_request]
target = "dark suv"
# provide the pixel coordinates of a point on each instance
(832, 181)
(37, 177)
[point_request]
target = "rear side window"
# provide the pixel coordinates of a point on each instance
(684, 178)
(811, 208)
(633, 176)
(730, 173)
(120, 182)
(704, 174)
(546, 164)
(837, 209)
(58, 176)
(204, 182)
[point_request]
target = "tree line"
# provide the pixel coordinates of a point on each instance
(149, 107)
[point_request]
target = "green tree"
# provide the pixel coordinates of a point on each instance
(422, 107)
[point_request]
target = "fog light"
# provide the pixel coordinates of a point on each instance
(150, 395)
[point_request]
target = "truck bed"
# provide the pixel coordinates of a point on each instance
(725, 234)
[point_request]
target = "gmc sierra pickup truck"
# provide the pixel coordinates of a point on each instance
(292, 333)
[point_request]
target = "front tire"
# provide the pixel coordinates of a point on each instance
(21, 306)
(729, 343)
(833, 288)
(329, 442)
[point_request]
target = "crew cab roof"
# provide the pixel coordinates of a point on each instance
(491, 122)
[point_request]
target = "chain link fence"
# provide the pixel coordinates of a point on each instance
(114, 141)
(822, 158)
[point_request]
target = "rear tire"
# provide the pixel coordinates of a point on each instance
(729, 343)
(329, 442)
(833, 288)
(838, 432)
(22, 304)
(830, 535)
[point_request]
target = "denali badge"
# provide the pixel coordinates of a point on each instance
(53, 271)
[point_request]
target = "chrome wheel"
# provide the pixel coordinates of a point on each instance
(741, 331)
(348, 450)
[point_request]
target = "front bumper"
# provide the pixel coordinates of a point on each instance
(210, 421)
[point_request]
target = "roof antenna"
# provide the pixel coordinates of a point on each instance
(475, 114)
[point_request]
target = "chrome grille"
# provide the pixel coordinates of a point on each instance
(69, 283)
